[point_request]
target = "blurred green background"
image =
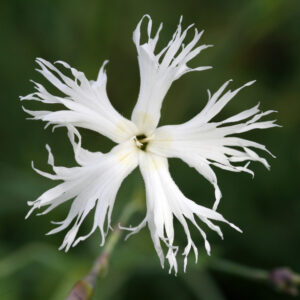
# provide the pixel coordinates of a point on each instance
(254, 39)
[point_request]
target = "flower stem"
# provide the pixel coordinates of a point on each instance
(282, 279)
(238, 270)
(84, 288)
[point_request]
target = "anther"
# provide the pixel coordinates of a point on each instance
(141, 141)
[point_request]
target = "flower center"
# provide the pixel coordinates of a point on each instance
(141, 141)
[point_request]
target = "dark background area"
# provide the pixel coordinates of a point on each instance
(255, 39)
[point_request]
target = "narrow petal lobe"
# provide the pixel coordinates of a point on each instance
(85, 103)
(202, 143)
(158, 71)
(164, 202)
(93, 184)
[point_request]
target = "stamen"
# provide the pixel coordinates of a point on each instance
(142, 140)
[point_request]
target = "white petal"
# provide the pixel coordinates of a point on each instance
(86, 103)
(158, 71)
(164, 201)
(94, 184)
(201, 143)
(82, 156)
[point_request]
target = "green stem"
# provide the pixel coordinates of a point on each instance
(101, 263)
(282, 279)
(238, 270)
(84, 288)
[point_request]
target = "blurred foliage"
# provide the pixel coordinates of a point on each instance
(254, 39)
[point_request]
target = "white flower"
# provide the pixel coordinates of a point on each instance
(199, 142)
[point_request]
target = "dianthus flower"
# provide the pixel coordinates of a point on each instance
(200, 142)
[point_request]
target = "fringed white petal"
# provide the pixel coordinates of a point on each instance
(202, 143)
(164, 201)
(94, 184)
(86, 103)
(158, 71)
(199, 142)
